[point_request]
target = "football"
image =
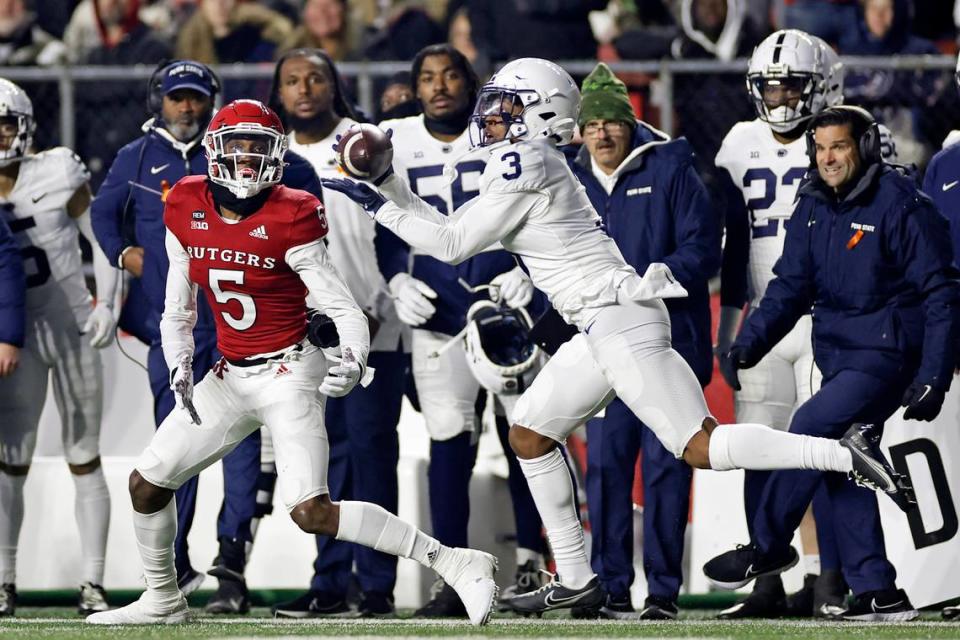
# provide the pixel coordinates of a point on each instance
(365, 152)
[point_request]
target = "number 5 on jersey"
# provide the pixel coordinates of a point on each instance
(233, 276)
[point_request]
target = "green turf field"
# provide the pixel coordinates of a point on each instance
(63, 623)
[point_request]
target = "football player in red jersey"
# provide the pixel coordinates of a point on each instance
(256, 249)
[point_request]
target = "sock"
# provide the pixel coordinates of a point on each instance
(552, 490)
(811, 564)
(155, 535)
(11, 519)
(755, 446)
(373, 526)
(92, 511)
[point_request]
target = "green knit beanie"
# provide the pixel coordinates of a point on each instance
(605, 98)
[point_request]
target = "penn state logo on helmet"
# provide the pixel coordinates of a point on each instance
(245, 143)
(17, 110)
(500, 352)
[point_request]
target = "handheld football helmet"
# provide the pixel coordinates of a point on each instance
(536, 99)
(500, 352)
(833, 73)
(794, 61)
(245, 143)
(14, 103)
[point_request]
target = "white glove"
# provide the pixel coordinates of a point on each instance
(181, 382)
(412, 298)
(514, 287)
(101, 323)
(343, 377)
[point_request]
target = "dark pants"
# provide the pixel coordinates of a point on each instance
(613, 443)
(847, 397)
(241, 467)
(364, 452)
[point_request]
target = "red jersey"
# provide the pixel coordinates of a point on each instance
(257, 299)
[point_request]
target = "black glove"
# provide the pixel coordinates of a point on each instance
(923, 402)
(321, 331)
(738, 357)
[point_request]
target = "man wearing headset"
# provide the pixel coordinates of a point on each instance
(128, 222)
(870, 257)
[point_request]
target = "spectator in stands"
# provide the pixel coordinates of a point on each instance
(552, 29)
(645, 32)
(327, 25)
(831, 20)
(230, 31)
(900, 99)
(718, 29)
(81, 35)
(398, 99)
(22, 41)
(107, 121)
(674, 224)
(459, 34)
(406, 30)
(53, 15)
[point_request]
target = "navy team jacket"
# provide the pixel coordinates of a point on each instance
(13, 289)
(138, 173)
(942, 184)
(659, 211)
(875, 268)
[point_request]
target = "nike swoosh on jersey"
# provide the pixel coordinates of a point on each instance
(950, 185)
(39, 198)
(155, 170)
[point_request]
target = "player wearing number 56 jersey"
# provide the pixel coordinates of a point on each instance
(45, 199)
(256, 249)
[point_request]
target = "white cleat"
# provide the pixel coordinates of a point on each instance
(471, 576)
(141, 612)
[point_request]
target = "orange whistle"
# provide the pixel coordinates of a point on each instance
(165, 189)
(855, 239)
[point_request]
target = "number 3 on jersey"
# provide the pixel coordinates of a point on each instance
(513, 158)
(249, 309)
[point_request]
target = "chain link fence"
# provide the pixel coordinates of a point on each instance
(96, 110)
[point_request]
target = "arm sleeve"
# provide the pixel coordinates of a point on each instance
(736, 246)
(788, 296)
(472, 228)
(13, 289)
(697, 256)
(180, 306)
(922, 245)
(105, 274)
(107, 208)
(312, 263)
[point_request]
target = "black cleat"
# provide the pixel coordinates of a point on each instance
(374, 604)
(314, 604)
(889, 605)
(871, 468)
(767, 600)
(950, 613)
(528, 578)
(612, 608)
(8, 599)
(800, 603)
(554, 595)
(230, 598)
(444, 603)
(655, 608)
(830, 595)
(733, 569)
(92, 598)
(190, 581)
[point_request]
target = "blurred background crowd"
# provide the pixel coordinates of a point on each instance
(917, 102)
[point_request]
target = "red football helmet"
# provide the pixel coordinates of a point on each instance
(245, 143)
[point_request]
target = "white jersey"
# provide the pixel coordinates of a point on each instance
(768, 174)
(419, 159)
(351, 241)
(531, 202)
(36, 211)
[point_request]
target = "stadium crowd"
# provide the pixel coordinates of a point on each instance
(706, 218)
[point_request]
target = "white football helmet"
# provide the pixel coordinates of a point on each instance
(500, 352)
(791, 59)
(546, 96)
(14, 103)
(833, 73)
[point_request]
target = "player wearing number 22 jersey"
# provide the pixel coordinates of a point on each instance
(256, 248)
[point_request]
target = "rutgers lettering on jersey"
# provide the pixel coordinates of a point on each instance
(258, 301)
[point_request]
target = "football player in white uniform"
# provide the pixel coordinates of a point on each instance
(792, 76)
(45, 199)
(531, 203)
(431, 299)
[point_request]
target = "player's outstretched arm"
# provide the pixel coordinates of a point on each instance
(103, 320)
(179, 307)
